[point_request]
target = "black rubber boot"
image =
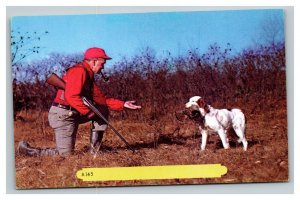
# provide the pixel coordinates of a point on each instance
(25, 149)
(95, 141)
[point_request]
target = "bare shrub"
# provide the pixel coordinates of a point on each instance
(253, 80)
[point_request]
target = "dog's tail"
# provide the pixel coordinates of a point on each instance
(245, 132)
(245, 125)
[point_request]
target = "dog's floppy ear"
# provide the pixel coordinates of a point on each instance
(206, 108)
(201, 103)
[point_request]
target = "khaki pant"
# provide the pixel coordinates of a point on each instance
(65, 124)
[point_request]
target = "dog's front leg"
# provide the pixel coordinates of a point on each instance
(204, 139)
(223, 136)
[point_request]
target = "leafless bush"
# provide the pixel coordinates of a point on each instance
(253, 80)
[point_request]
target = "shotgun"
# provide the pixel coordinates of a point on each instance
(56, 81)
(59, 83)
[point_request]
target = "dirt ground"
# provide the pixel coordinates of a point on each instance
(162, 143)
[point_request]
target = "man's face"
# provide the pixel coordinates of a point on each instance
(97, 65)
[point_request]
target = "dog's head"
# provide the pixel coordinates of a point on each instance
(197, 103)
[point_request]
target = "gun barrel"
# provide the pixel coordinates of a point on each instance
(99, 114)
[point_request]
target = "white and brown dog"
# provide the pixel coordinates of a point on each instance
(219, 121)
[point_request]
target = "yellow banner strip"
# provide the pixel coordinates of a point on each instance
(152, 172)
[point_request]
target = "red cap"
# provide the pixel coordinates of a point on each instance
(95, 52)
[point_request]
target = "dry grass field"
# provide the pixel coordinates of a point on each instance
(166, 142)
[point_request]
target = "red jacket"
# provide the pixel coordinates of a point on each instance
(80, 82)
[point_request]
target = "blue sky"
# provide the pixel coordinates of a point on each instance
(125, 34)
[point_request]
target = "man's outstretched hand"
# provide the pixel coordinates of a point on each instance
(130, 105)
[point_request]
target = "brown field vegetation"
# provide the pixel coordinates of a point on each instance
(266, 159)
